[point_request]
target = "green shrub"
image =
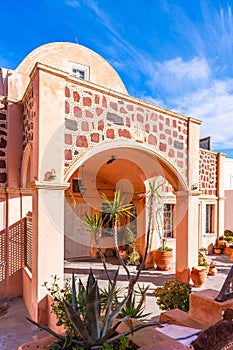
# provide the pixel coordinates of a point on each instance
(228, 233)
(173, 295)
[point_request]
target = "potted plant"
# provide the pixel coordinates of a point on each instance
(198, 275)
(163, 258)
(202, 259)
(217, 249)
(212, 269)
(163, 255)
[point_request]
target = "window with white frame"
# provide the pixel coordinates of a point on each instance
(209, 221)
(79, 71)
(168, 210)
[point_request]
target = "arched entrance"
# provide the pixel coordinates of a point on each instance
(124, 166)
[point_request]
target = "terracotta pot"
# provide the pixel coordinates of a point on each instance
(217, 251)
(212, 271)
(163, 260)
(198, 275)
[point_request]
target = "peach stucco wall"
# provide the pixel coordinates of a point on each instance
(228, 210)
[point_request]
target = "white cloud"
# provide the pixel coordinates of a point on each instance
(214, 106)
(72, 3)
(176, 76)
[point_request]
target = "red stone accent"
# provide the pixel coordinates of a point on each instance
(87, 101)
(147, 128)
(67, 92)
(130, 108)
(185, 131)
(174, 133)
(88, 92)
(160, 126)
(95, 137)
(67, 107)
(153, 117)
(152, 140)
(179, 128)
(181, 137)
(167, 122)
(89, 114)
(168, 132)
(161, 117)
(162, 147)
(81, 141)
(139, 109)
(68, 139)
(68, 154)
(84, 125)
(180, 164)
(127, 123)
(180, 155)
(171, 153)
(174, 124)
(169, 141)
(140, 118)
(124, 133)
(155, 128)
(110, 134)
(76, 96)
(99, 111)
(113, 105)
(97, 99)
(123, 111)
(104, 101)
(101, 125)
(77, 112)
(162, 137)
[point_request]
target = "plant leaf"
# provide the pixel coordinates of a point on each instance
(93, 312)
(47, 329)
(74, 294)
(109, 305)
(90, 281)
(77, 322)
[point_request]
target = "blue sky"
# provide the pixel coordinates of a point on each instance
(177, 54)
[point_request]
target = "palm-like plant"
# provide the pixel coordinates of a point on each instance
(95, 222)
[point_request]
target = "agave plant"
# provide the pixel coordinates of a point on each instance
(94, 330)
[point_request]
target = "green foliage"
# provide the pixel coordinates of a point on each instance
(229, 238)
(173, 295)
(134, 257)
(134, 310)
(228, 233)
(105, 294)
(202, 259)
(88, 324)
(117, 208)
(165, 249)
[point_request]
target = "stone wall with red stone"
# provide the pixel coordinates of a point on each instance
(28, 115)
(208, 172)
(3, 148)
(92, 117)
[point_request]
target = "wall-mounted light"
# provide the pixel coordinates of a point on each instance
(194, 187)
(111, 160)
(50, 175)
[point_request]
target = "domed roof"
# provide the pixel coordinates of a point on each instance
(62, 55)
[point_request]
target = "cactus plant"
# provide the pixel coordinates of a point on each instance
(95, 329)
